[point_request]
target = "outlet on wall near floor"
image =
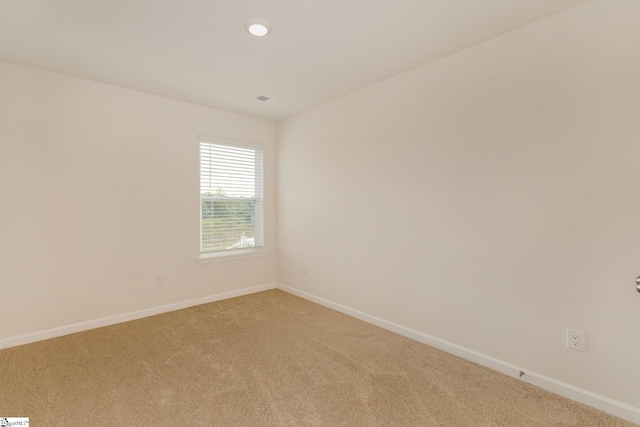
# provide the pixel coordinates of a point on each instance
(159, 281)
(576, 340)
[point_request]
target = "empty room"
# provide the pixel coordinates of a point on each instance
(319, 213)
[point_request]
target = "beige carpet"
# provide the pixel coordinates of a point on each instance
(267, 359)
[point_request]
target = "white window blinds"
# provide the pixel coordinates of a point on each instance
(230, 197)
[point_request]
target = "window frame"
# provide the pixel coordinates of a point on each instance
(226, 254)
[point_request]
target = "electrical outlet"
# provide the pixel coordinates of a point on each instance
(305, 270)
(576, 340)
(159, 281)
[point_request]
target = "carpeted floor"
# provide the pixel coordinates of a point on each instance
(267, 359)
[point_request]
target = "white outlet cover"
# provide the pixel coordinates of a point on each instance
(576, 340)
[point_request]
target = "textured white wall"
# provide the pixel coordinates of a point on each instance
(489, 199)
(99, 192)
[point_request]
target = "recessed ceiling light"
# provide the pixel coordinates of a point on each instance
(258, 30)
(258, 27)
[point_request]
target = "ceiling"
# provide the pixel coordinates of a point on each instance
(198, 50)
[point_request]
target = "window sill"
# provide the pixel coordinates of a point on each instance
(208, 257)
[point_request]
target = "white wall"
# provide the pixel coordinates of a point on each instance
(489, 199)
(99, 192)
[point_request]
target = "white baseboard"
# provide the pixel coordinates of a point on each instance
(613, 407)
(119, 318)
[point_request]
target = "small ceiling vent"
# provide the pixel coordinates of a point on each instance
(267, 99)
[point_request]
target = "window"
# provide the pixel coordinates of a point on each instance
(230, 197)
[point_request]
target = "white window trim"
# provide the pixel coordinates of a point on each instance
(207, 257)
(216, 256)
(233, 142)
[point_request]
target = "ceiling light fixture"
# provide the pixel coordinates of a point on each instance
(257, 27)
